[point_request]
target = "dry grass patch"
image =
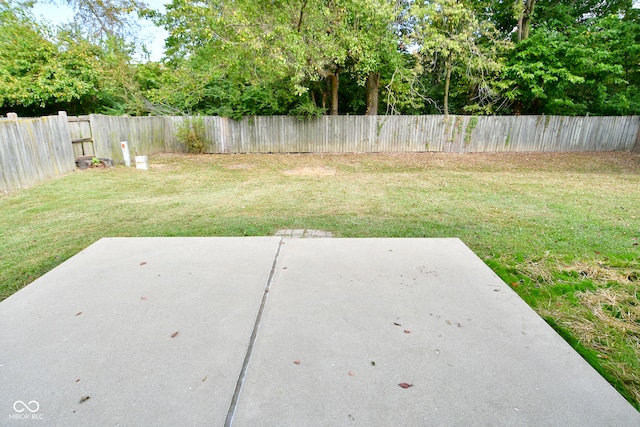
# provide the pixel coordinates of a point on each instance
(615, 307)
(607, 322)
(602, 274)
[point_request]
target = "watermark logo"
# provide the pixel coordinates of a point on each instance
(19, 406)
(26, 410)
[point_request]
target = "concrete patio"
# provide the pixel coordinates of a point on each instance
(278, 331)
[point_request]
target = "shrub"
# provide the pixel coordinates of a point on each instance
(191, 133)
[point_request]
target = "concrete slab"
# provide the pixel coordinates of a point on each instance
(347, 321)
(280, 331)
(153, 331)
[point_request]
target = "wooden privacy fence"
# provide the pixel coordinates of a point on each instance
(81, 138)
(34, 150)
(369, 134)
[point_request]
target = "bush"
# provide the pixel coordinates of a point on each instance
(192, 134)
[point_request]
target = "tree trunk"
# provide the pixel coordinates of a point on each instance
(304, 4)
(373, 81)
(334, 79)
(524, 20)
(447, 83)
(526, 27)
(312, 93)
(520, 22)
(325, 93)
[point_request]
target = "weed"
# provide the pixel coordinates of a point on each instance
(473, 122)
(191, 132)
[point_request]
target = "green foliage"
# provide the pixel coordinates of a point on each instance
(245, 58)
(473, 122)
(577, 70)
(453, 40)
(259, 48)
(307, 110)
(36, 73)
(192, 133)
(46, 69)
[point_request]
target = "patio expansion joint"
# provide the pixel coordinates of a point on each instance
(254, 334)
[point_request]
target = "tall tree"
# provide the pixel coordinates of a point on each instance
(523, 10)
(307, 41)
(448, 35)
(107, 18)
(589, 68)
(36, 74)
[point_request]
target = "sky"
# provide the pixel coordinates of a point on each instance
(152, 36)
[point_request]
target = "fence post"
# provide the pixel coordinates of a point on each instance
(12, 116)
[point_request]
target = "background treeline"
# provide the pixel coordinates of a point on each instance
(311, 57)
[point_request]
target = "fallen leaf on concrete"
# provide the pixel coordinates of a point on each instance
(373, 363)
(78, 380)
(175, 334)
(405, 385)
(143, 262)
(397, 324)
(351, 373)
(143, 298)
(204, 379)
(407, 331)
(297, 362)
(78, 313)
(84, 399)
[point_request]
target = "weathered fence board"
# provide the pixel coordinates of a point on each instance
(34, 150)
(366, 134)
(145, 135)
(81, 137)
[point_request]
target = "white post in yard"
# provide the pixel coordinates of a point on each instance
(125, 153)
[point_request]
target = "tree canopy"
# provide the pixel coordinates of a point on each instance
(312, 57)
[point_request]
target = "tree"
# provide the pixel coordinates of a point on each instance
(577, 69)
(374, 45)
(47, 69)
(38, 76)
(107, 18)
(448, 35)
(307, 42)
(524, 13)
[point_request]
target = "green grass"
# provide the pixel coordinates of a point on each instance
(562, 229)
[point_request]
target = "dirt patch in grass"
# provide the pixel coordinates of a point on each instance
(239, 166)
(310, 171)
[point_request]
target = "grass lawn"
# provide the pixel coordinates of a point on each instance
(562, 229)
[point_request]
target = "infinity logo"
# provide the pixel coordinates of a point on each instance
(27, 406)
